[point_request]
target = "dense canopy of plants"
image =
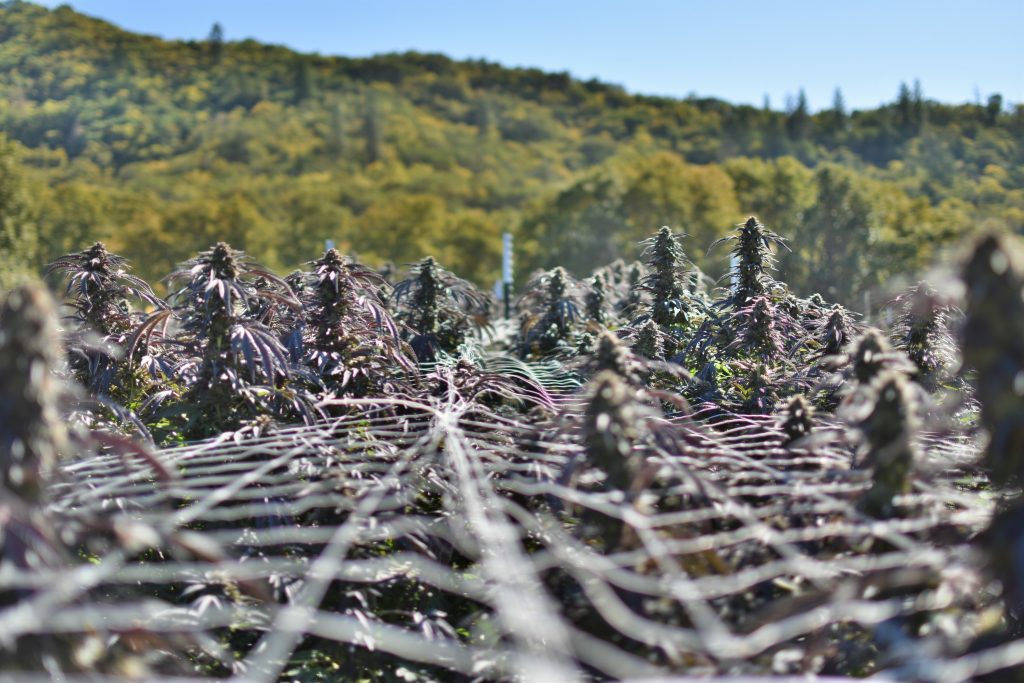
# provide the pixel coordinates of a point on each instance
(638, 473)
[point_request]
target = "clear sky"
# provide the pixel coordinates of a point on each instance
(739, 50)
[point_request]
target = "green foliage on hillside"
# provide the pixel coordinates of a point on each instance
(161, 148)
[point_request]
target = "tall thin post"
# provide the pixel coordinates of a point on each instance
(734, 271)
(506, 272)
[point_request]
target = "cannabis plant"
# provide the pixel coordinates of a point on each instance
(234, 365)
(667, 264)
(36, 538)
(921, 330)
(830, 331)
(752, 258)
(100, 287)
(441, 311)
(637, 297)
(704, 358)
(551, 312)
(649, 341)
(100, 290)
(760, 329)
(871, 355)
(613, 425)
(642, 367)
(612, 355)
(755, 388)
(32, 436)
(864, 358)
(349, 338)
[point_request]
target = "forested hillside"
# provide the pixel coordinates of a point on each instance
(162, 148)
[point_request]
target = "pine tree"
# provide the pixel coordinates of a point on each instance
(840, 117)
(798, 123)
(905, 116)
(216, 42)
(920, 109)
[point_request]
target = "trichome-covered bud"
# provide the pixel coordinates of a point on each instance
(761, 389)
(752, 258)
(887, 431)
(556, 285)
(797, 422)
(611, 355)
(32, 433)
(871, 355)
(836, 330)
(993, 344)
(222, 260)
(666, 260)
(758, 328)
(595, 300)
(612, 426)
(649, 343)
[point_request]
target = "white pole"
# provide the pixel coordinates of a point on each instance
(506, 272)
(506, 258)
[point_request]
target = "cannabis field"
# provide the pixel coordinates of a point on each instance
(341, 474)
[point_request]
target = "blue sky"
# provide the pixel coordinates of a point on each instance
(739, 50)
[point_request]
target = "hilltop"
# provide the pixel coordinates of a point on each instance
(163, 147)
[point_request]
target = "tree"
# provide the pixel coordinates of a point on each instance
(910, 109)
(216, 42)
(19, 239)
(840, 119)
(665, 190)
(305, 81)
(581, 229)
(993, 109)
(74, 136)
(838, 232)
(372, 134)
(484, 119)
(920, 108)
(798, 122)
(778, 191)
(336, 136)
